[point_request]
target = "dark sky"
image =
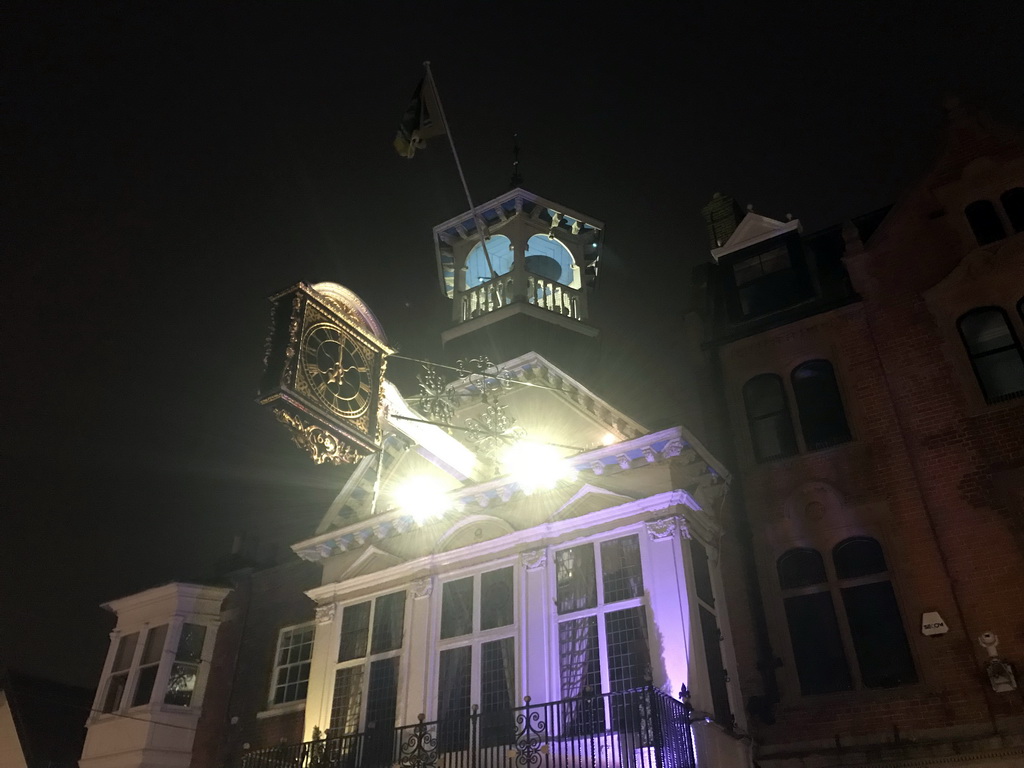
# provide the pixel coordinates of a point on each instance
(166, 167)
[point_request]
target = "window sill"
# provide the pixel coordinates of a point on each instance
(282, 709)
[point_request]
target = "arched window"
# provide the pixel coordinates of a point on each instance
(873, 616)
(869, 626)
(499, 248)
(548, 258)
(801, 568)
(822, 418)
(813, 629)
(1013, 205)
(984, 221)
(771, 428)
(995, 353)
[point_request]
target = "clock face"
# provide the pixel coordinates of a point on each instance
(337, 370)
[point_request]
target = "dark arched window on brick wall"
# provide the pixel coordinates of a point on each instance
(822, 418)
(984, 221)
(873, 616)
(771, 426)
(994, 351)
(869, 627)
(813, 629)
(1013, 206)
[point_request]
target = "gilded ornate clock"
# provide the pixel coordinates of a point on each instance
(325, 362)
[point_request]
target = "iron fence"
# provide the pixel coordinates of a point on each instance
(640, 728)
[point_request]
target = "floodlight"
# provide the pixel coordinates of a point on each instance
(423, 497)
(535, 466)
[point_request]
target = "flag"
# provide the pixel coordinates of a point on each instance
(421, 121)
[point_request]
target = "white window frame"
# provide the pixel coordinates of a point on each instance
(366, 661)
(274, 685)
(477, 637)
(600, 610)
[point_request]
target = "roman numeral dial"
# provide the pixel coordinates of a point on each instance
(337, 370)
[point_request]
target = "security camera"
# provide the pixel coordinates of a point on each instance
(989, 641)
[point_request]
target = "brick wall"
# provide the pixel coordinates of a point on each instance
(262, 603)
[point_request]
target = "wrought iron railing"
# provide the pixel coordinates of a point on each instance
(640, 728)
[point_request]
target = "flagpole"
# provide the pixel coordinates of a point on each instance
(458, 166)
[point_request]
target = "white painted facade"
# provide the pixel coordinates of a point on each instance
(655, 494)
(151, 690)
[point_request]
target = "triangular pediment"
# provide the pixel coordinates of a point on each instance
(588, 498)
(371, 560)
(754, 229)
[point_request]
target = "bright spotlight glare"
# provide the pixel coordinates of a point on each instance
(609, 439)
(422, 497)
(535, 466)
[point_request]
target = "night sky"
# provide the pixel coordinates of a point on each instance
(167, 166)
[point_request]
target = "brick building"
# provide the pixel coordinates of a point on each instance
(867, 386)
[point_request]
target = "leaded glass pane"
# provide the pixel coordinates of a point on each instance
(580, 663)
(629, 660)
(576, 580)
(621, 573)
(496, 608)
(497, 692)
(348, 686)
(388, 622)
(381, 704)
(453, 698)
(355, 628)
(457, 608)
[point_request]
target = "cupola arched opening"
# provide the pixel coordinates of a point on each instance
(499, 248)
(548, 258)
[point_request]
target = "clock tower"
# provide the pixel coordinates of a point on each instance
(519, 273)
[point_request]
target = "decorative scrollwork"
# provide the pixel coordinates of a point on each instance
(437, 401)
(531, 737)
(419, 750)
(321, 445)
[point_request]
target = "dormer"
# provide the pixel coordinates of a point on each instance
(764, 268)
